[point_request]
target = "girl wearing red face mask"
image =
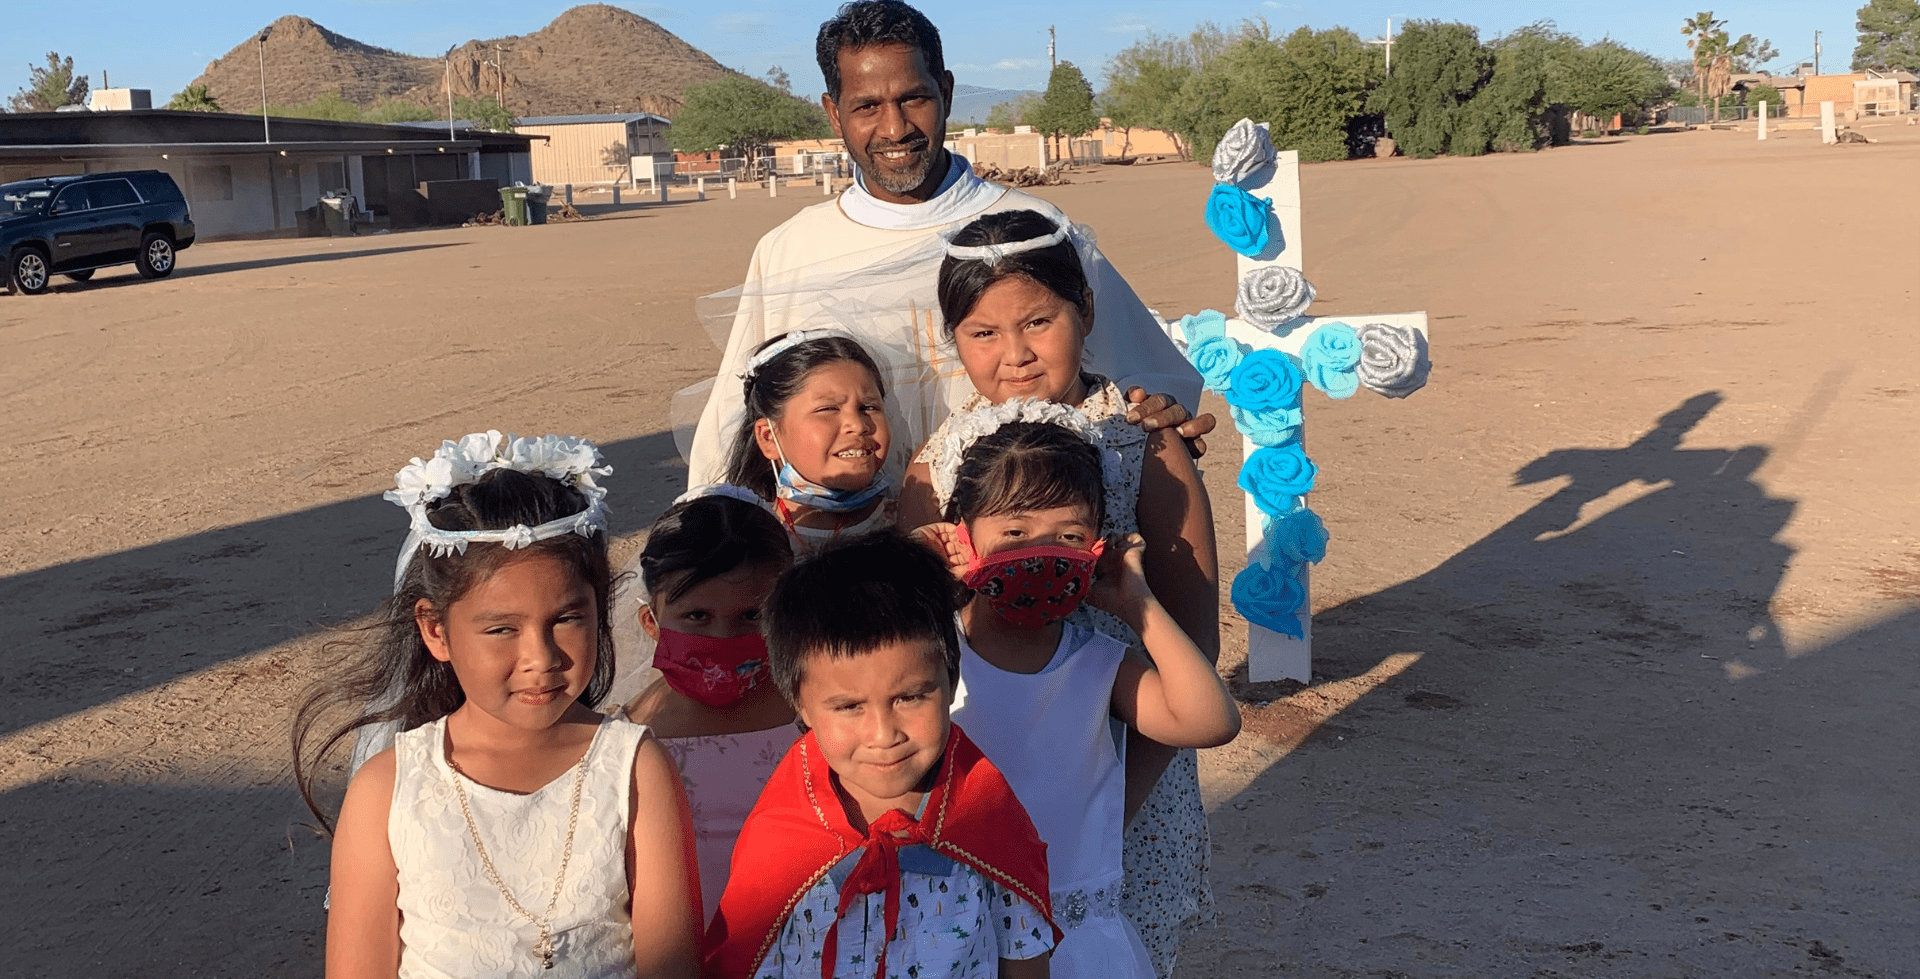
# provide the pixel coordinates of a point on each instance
(707, 567)
(1049, 696)
(1018, 307)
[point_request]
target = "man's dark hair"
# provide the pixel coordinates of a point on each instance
(866, 23)
(853, 598)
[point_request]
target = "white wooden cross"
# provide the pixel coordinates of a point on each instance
(1270, 655)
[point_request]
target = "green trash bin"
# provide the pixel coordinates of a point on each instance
(513, 205)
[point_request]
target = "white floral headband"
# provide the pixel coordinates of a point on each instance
(967, 427)
(784, 344)
(1065, 230)
(574, 461)
(727, 490)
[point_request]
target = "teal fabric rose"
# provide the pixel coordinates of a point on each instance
(1272, 428)
(1266, 380)
(1271, 597)
(1330, 357)
(1276, 477)
(1210, 350)
(1295, 537)
(1239, 219)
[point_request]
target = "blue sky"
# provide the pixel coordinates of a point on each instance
(993, 44)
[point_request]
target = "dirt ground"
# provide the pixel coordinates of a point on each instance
(1615, 648)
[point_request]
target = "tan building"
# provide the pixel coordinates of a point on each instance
(1862, 93)
(592, 149)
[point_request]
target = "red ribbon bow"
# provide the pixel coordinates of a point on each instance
(876, 872)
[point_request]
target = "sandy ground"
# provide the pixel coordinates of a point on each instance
(1616, 647)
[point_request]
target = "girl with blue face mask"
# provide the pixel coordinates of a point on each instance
(815, 437)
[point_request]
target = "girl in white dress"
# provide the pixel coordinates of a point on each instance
(1018, 309)
(1044, 693)
(707, 567)
(512, 830)
(815, 437)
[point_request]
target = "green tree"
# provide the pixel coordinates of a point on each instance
(396, 110)
(50, 87)
(1889, 36)
(1017, 112)
(1607, 77)
(1066, 109)
(1309, 87)
(328, 105)
(737, 112)
(1147, 82)
(194, 98)
(1767, 93)
(1716, 58)
(1438, 68)
(1518, 108)
(483, 112)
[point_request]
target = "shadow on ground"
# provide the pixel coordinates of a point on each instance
(85, 632)
(1605, 761)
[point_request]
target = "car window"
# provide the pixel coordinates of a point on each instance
(70, 200)
(27, 200)
(157, 187)
(112, 193)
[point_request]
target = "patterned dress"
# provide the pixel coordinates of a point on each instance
(1168, 852)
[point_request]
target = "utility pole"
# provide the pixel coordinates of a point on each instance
(1052, 61)
(449, 60)
(500, 74)
(1816, 52)
(266, 128)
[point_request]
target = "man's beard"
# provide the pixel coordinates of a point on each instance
(897, 182)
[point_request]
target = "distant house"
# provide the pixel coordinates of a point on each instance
(1866, 93)
(241, 180)
(592, 149)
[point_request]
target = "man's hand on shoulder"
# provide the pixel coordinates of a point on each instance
(1154, 412)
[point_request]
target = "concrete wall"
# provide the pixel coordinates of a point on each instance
(1008, 152)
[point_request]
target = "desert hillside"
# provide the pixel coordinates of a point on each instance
(592, 58)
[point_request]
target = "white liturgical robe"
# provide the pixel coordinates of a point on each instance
(871, 268)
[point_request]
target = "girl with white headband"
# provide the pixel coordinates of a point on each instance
(1018, 310)
(511, 829)
(815, 437)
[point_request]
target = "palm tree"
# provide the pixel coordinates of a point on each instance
(194, 98)
(1707, 39)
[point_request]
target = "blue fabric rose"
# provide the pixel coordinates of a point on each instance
(1296, 537)
(1330, 357)
(1276, 427)
(1205, 323)
(1239, 219)
(1271, 597)
(1276, 477)
(1266, 380)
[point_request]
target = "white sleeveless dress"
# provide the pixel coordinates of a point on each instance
(1168, 849)
(454, 922)
(1053, 736)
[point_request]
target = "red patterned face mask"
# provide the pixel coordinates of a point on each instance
(715, 672)
(1031, 586)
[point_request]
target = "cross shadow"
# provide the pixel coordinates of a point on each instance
(1604, 761)
(84, 632)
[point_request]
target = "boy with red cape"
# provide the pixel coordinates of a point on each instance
(885, 844)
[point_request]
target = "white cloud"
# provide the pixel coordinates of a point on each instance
(1128, 24)
(1012, 64)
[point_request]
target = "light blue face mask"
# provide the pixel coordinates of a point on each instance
(794, 488)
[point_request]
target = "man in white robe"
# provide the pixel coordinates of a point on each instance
(868, 262)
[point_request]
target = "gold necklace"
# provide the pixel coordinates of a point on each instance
(543, 949)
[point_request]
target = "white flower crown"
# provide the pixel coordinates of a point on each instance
(785, 343)
(968, 427)
(574, 461)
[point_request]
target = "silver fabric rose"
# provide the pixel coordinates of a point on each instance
(1242, 152)
(1271, 295)
(1393, 359)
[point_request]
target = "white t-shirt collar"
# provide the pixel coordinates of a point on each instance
(961, 196)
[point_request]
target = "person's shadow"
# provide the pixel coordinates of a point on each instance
(1593, 754)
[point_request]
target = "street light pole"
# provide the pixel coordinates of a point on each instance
(449, 61)
(266, 128)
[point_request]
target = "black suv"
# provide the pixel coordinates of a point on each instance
(73, 225)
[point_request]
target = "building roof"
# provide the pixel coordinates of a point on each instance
(229, 131)
(626, 117)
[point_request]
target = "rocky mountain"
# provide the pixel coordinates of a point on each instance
(591, 59)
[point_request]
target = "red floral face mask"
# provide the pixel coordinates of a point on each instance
(1031, 586)
(715, 672)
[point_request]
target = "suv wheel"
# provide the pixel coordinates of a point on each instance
(80, 276)
(156, 256)
(29, 271)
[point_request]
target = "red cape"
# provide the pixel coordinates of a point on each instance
(798, 831)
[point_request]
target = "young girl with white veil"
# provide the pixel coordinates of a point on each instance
(512, 829)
